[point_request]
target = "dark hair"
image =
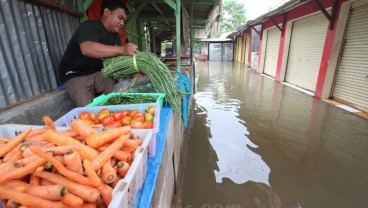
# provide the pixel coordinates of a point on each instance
(112, 5)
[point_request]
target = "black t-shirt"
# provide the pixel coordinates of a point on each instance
(74, 63)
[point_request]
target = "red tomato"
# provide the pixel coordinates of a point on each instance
(93, 116)
(138, 116)
(125, 112)
(107, 120)
(88, 122)
(151, 110)
(116, 124)
(84, 116)
(132, 112)
(118, 115)
(148, 125)
(148, 117)
(126, 120)
(136, 124)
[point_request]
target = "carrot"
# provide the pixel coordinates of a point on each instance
(27, 199)
(102, 158)
(4, 139)
(60, 158)
(62, 140)
(53, 192)
(108, 173)
(27, 160)
(106, 192)
(44, 182)
(72, 200)
(58, 150)
(91, 174)
(98, 139)
(131, 143)
(48, 122)
(12, 204)
(37, 132)
(39, 142)
(12, 152)
(119, 154)
(73, 161)
(17, 156)
(86, 193)
(82, 128)
(69, 133)
(22, 171)
(34, 180)
(123, 168)
(88, 205)
(9, 167)
(15, 183)
(60, 167)
(14, 142)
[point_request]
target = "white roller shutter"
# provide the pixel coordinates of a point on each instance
(305, 53)
(352, 76)
(272, 51)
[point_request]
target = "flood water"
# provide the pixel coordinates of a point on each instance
(253, 142)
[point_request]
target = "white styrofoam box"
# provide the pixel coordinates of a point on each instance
(125, 191)
(12, 130)
(66, 119)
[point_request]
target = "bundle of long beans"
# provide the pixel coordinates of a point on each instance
(149, 64)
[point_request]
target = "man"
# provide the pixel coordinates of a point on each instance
(80, 67)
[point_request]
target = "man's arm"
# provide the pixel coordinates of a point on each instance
(98, 50)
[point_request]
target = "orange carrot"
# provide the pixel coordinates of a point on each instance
(4, 139)
(6, 167)
(27, 160)
(131, 143)
(72, 200)
(82, 128)
(44, 182)
(88, 205)
(12, 152)
(87, 193)
(106, 192)
(108, 173)
(91, 174)
(15, 183)
(39, 142)
(34, 180)
(22, 171)
(17, 156)
(48, 122)
(37, 132)
(73, 161)
(12, 204)
(123, 168)
(69, 133)
(98, 139)
(53, 192)
(14, 142)
(102, 158)
(27, 199)
(62, 140)
(60, 167)
(119, 154)
(60, 158)
(58, 150)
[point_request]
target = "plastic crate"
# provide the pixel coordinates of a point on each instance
(67, 119)
(12, 130)
(100, 100)
(125, 191)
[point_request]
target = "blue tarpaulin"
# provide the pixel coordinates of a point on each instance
(183, 84)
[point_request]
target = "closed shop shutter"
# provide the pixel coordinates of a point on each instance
(247, 45)
(351, 83)
(305, 53)
(272, 51)
(215, 52)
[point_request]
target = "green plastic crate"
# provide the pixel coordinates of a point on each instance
(100, 100)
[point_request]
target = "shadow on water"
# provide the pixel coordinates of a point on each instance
(253, 142)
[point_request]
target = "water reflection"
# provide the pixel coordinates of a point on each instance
(229, 135)
(253, 142)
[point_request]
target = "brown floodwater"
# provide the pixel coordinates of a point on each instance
(253, 142)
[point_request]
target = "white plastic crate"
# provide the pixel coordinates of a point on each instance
(12, 130)
(125, 191)
(67, 119)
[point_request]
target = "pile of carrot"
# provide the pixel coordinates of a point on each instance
(74, 168)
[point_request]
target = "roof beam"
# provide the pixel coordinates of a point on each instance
(255, 30)
(323, 10)
(135, 13)
(162, 19)
(159, 11)
(274, 22)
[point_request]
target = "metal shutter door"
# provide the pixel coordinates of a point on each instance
(352, 76)
(305, 53)
(247, 45)
(272, 51)
(215, 52)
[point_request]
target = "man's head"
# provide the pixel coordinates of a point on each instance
(113, 15)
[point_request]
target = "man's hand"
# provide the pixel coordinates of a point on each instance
(129, 49)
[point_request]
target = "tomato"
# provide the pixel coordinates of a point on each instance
(107, 120)
(138, 116)
(124, 112)
(88, 122)
(148, 125)
(148, 117)
(116, 124)
(132, 112)
(93, 116)
(118, 115)
(151, 110)
(136, 124)
(126, 120)
(104, 111)
(84, 116)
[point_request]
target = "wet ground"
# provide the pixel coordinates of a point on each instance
(253, 142)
